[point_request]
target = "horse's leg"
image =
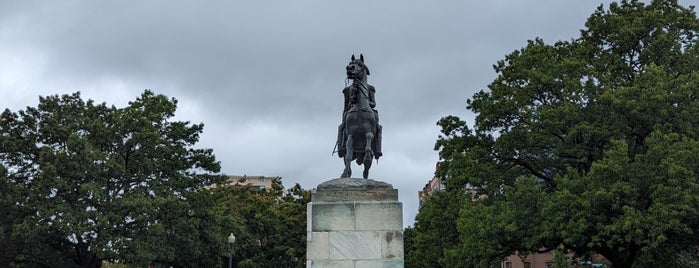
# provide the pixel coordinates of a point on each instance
(367, 165)
(349, 152)
(341, 140)
(368, 154)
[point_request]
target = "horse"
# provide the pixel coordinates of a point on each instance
(360, 120)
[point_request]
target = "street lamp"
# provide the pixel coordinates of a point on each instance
(231, 240)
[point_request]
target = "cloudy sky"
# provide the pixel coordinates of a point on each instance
(265, 77)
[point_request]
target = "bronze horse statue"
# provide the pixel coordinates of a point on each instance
(359, 135)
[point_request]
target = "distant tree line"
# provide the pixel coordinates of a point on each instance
(588, 146)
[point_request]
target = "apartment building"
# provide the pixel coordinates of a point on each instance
(542, 260)
(434, 185)
(259, 182)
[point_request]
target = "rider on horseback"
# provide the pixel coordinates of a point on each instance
(357, 71)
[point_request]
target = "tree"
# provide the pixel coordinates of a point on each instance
(84, 182)
(269, 224)
(408, 244)
(435, 230)
(586, 144)
(561, 259)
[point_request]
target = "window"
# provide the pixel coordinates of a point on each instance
(548, 264)
(527, 264)
(508, 264)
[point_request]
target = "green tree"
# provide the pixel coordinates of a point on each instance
(90, 182)
(435, 230)
(408, 244)
(586, 144)
(561, 259)
(269, 224)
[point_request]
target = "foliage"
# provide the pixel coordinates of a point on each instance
(269, 225)
(561, 259)
(408, 243)
(434, 231)
(83, 182)
(589, 144)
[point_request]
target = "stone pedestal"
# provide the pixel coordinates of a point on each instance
(354, 223)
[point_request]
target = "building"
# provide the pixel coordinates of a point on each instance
(259, 182)
(542, 260)
(434, 185)
(545, 260)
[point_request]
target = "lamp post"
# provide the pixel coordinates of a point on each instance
(231, 240)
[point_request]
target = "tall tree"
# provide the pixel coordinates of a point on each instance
(586, 144)
(269, 224)
(91, 182)
(435, 230)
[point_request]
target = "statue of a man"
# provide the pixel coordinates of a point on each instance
(357, 71)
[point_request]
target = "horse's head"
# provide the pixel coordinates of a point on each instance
(356, 68)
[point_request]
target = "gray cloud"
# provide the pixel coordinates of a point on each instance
(266, 78)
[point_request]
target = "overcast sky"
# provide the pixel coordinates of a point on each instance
(265, 77)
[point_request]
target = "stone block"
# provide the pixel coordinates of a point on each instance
(378, 216)
(355, 195)
(331, 216)
(379, 264)
(354, 245)
(392, 245)
(330, 264)
(353, 184)
(318, 248)
(309, 218)
(354, 223)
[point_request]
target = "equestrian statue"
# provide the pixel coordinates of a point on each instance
(359, 134)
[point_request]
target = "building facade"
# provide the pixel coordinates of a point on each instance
(434, 185)
(259, 182)
(542, 260)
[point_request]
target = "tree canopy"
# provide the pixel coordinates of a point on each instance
(85, 182)
(82, 183)
(588, 144)
(269, 225)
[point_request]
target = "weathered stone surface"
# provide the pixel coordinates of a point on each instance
(379, 264)
(361, 216)
(378, 216)
(356, 264)
(326, 195)
(392, 245)
(354, 245)
(331, 264)
(353, 184)
(332, 216)
(318, 246)
(355, 223)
